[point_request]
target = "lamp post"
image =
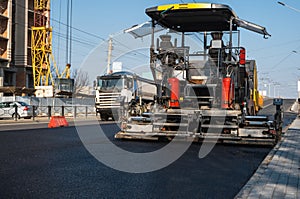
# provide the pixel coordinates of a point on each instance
(269, 85)
(275, 85)
(267, 82)
(290, 7)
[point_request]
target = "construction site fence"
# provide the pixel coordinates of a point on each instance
(70, 107)
(68, 111)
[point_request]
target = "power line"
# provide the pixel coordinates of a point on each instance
(71, 21)
(130, 48)
(279, 45)
(77, 29)
(85, 32)
(60, 35)
(74, 39)
(78, 35)
(59, 29)
(68, 30)
(81, 53)
(283, 59)
(78, 39)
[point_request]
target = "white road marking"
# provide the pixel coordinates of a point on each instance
(268, 105)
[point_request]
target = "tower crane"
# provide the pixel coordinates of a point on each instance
(42, 57)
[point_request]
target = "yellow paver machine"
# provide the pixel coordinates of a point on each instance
(206, 88)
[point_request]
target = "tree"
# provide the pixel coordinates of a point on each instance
(81, 81)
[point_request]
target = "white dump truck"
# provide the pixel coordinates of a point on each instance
(119, 89)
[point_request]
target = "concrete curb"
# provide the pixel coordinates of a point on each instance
(255, 185)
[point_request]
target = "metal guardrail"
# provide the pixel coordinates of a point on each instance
(70, 111)
(70, 107)
(48, 111)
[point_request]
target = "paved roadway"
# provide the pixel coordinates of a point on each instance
(278, 175)
(53, 163)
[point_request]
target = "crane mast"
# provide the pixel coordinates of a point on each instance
(42, 56)
(41, 44)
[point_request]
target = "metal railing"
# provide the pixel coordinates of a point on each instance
(47, 107)
(48, 111)
(69, 111)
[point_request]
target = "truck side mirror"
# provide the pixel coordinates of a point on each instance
(95, 84)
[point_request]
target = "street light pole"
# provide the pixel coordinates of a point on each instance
(283, 4)
(267, 81)
(275, 84)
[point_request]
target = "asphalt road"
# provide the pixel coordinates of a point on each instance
(53, 163)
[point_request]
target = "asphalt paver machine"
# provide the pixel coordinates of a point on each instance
(206, 88)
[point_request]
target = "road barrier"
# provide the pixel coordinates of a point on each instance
(69, 111)
(48, 111)
(47, 107)
(58, 121)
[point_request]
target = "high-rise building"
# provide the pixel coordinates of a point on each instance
(16, 20)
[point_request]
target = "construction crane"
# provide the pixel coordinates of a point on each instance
(42, 57)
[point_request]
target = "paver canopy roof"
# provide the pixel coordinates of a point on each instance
(193, 17)
(200, 17)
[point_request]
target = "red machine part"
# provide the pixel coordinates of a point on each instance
(242, 56)
(226, 92)
(174, 92)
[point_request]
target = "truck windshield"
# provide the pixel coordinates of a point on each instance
(110, 84)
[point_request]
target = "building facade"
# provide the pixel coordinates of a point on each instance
(16, 20)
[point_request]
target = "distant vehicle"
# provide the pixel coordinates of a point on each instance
(7, 110)
(138, 93)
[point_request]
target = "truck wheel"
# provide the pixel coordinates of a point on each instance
(104, 117)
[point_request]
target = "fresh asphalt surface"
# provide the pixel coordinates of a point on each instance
(53, 163)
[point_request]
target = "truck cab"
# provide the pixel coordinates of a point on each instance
(119, 89)
(109, 89)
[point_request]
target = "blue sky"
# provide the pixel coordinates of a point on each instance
(277, 57)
